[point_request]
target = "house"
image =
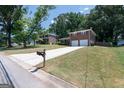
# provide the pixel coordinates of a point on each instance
(52, 38)
(120, 40)
(120, 43)
(64, 41)
(82, 38)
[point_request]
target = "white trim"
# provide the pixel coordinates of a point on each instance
(83, 31)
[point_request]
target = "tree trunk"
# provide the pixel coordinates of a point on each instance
(6, 39)
(115, 41)
(9, 39)
(24, 44)
(9, 34)
(34, 43)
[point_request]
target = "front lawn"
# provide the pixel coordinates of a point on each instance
(29, 49)
(90, 67)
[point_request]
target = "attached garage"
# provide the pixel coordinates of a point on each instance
(74, 43)
(83, 42)
(82, 38)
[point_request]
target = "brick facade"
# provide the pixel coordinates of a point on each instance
(83, 35)
(52, 39)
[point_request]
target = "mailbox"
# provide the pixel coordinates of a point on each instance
(43, 54)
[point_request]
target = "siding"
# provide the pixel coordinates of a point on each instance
(83, 36)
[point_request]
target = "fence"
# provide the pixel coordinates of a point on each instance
(108, 44)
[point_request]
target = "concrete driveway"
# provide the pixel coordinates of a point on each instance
(32, 59)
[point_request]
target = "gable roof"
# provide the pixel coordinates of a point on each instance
(83, 31)
(52, 34)
(66, 38)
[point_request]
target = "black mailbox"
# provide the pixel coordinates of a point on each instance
(43, 54)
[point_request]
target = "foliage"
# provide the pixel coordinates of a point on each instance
(26, 28)
(22, 31)
(9, 14)
(67, 22)
(39, 16)
(107, 22)
(34, 37)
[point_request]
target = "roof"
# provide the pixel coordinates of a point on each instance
(83, 31)
(66, 38)
(52, 34)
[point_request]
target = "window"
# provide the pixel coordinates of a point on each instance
(82, 33)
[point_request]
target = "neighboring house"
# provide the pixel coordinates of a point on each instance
(52, 38)
(120, 40)
(14, 44)
(82, 38)
(64, 41)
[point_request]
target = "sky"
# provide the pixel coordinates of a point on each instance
(84, 9)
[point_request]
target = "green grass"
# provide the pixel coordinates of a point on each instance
(120, 53)
(90, 67)
(29, 49)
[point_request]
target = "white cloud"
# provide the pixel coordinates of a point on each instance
(52, 21)
(81, 11)
(85, 9)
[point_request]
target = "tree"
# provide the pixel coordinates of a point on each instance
(9, 14)
(29, 26)
(40, 15)
(34, 37)
(20, 38)
(107, 22)
(22, 31)
(67, 22)
(2, 37)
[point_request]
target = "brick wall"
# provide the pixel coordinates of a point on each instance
(83, 35)
(52, 39)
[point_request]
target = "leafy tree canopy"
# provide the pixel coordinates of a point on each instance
(107, 22)
(67, 22)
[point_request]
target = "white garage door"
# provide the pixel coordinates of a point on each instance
(83, 42)
(74, 43)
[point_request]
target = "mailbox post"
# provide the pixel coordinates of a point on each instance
(43, 54)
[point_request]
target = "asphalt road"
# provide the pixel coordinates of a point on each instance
(22, 78)
(5, 81)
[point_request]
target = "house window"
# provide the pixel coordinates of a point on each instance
(86, 33)
(82, 33)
